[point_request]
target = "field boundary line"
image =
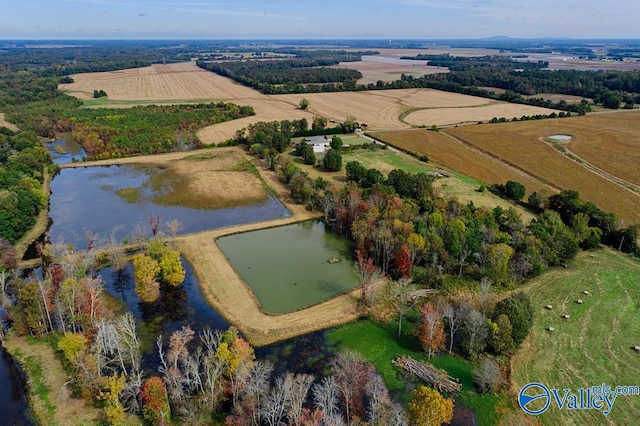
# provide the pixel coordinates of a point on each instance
(517, 169)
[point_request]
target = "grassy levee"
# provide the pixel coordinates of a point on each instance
(595, 345)
(39, 227)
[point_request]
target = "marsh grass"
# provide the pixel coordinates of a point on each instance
(130, 195)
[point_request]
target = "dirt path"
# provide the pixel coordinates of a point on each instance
(39, 228)
(5, 123)
(595, 169)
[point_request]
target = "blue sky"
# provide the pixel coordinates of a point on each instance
(318, 18)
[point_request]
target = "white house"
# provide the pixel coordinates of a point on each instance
(319, 143)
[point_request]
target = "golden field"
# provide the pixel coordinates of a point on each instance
(185, 82)
(455, 155)
(522, 145)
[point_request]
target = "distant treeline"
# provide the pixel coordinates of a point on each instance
(101, 57)
(287, 75)
(472, 76)
(463, 63)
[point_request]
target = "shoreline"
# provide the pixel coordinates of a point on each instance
(223, 288)
(227, 292)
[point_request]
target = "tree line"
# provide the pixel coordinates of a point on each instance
(23, 166)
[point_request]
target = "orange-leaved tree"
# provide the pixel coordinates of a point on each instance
(155, 403)
(431, 330)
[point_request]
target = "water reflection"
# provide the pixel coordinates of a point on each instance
(91, 200)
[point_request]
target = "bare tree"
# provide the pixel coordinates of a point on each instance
(401, 292)
(154, 223)
(115, 253)
(454, 321)
(378, 399)
(297, 388)
(383, 411)
(43, 287)
(351, 373)
(174, 227)
(126, 328)
(325, 397)
(274, 405)
(256, 390)
(487, 375)
(475, 325)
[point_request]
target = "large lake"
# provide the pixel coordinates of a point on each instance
(94, 199)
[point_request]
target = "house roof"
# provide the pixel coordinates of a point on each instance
(318, 140)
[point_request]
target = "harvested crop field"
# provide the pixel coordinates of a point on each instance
(451, 116)
(608, 141)
(434, 50)
(520, 144)
(266, 108)
(380, 109)
(183, 81)
(455, 155)
(388, 69)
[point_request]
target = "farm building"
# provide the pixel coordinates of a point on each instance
(319, 143)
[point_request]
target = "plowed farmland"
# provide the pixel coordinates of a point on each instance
(521, 144)
(158, 83)
(457, 156)
(610, 142)
(180, 83)
(443, 116)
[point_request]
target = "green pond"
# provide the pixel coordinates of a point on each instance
(288, 267)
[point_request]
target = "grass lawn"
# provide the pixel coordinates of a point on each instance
(595, 345)
(378, 344)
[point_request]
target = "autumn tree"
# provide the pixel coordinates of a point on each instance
(146, 269)
(351, 373)
(367, 273)
(113, 409)
(498, 257)
(318, 123)
(431, 329)
(155, 404)
(72, 346)
(429, 408)
(169, 262)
